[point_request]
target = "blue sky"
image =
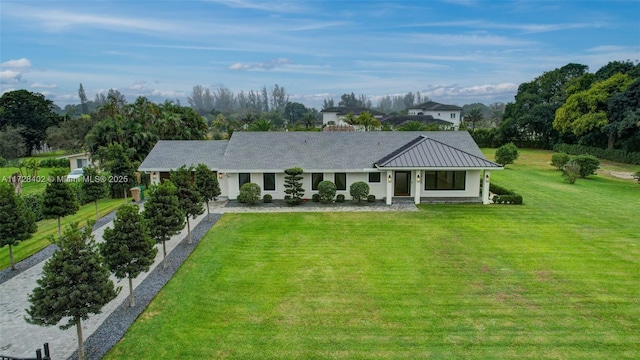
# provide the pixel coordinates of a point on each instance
(456, 51)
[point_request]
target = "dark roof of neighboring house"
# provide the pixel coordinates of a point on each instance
(399, 120)
(426, 152)
(343, 110)
(171, 154)
(434, 106)
(328, 151)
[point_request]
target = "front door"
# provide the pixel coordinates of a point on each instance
(402, 184)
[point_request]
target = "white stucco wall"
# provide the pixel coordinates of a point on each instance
(472, 187)
(330, 116)
(443, 115)
(232, 186)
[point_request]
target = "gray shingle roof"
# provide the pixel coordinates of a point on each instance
(434, 106)
(425, 152)
(275, 151)
(171, 154)
(344, 110)
(399, 120)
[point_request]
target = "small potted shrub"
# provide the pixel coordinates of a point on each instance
(371, 198)
(340, 198)
(267, 198)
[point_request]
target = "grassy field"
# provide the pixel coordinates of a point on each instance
(28, 187)
(49, 227)
(556, 278)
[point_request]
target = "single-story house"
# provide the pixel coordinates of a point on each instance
(420, 166)
(80, 160)
(438, 111)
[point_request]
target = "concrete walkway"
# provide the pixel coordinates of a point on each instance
(20, 339)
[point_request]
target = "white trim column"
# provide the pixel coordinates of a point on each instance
(417, 180)
(389, 180)
(485, 187)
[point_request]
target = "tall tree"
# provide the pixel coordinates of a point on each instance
(83, 100)
(93, 187)
(349, 100)
(189, 198)
(116, 160)
(17, 223)
(12, 144)
(623, 113)
(163, 214)
(128, 249)
(474, 116)
(32, 112)
(74, 284)
(59, 199)
(327, 103)
(586, 111)
(207, 185)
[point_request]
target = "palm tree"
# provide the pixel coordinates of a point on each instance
(261, 125)
(474, 116)
(350, 119)
(412, 126)
(368, 120)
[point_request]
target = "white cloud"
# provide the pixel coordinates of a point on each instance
(10, 77)
(20, 64)
(44, 86)
(138, 85)
(269, 6)
(467, 40)
(269, 65)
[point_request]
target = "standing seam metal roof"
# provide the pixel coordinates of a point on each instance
(426, 152)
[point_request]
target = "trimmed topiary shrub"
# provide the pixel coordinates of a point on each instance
(507, 154)
(33, 202)
(293, 186)
(359, 190)
(371, 198)
(267, 198)
(588, 164)
(559, 160)
(326, 191)
(571, 171)
(315, 197)
(607, 154)
(340, 198)
(249, 193)
(504, 196)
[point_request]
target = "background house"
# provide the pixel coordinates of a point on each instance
(336, 115)
(445, 112)
(79, 160)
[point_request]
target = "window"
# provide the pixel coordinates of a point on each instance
(374, 177)
(269, 182)
(316, 178)
(453, 115)
(445, 180)
(243, 178)
(340, 181)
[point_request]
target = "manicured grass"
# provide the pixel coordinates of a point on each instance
(556, 278)
(48, 227)
(28, 187)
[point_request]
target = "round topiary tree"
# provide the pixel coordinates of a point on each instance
(249, 193)
(293, 186)
(507, 154)
(359, 190)
(326, 191)
(559, 160)
(588, 164)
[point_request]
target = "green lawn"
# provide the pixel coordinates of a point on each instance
(28, 187)
(556, 278)
(48, 227)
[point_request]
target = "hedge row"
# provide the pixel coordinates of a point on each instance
(504, 195)
(607, 154)
(53, 162)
